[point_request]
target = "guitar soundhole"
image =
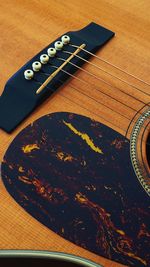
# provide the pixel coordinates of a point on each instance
(148, 149)
(36, 262)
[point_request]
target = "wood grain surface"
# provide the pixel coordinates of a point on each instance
(26, 27)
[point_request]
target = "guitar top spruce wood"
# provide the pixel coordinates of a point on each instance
(75, 173)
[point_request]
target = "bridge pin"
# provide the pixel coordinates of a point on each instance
(65, 39)
(51, 52)
(28, 74)
(44, 58)
(58, 45)
(36, 66)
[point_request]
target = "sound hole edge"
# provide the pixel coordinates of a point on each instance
(139, 162)
(148, 149)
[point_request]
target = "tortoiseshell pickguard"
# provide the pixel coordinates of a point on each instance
(75, 176)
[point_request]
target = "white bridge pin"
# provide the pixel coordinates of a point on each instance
(28, 74)
(44, 58)
(65, 39)
(36, 66)
(58, 45)
(51, 52)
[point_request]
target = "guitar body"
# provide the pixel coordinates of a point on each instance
(70, 181)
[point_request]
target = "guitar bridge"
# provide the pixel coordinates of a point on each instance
(37, 80)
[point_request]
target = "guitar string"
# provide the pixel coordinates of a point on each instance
(87, 95)
(137, 111)
(107, 62)
(97, 88)
(91, 112)
(62, 82)
(99, 78)
(76, 103)
(110, 74)
(146, 104)
(117, 112)
(131, 120)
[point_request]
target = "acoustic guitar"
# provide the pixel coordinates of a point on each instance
(75, 133)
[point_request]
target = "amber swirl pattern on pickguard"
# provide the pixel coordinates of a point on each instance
(75, 176)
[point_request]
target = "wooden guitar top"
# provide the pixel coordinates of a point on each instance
(28, 26)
